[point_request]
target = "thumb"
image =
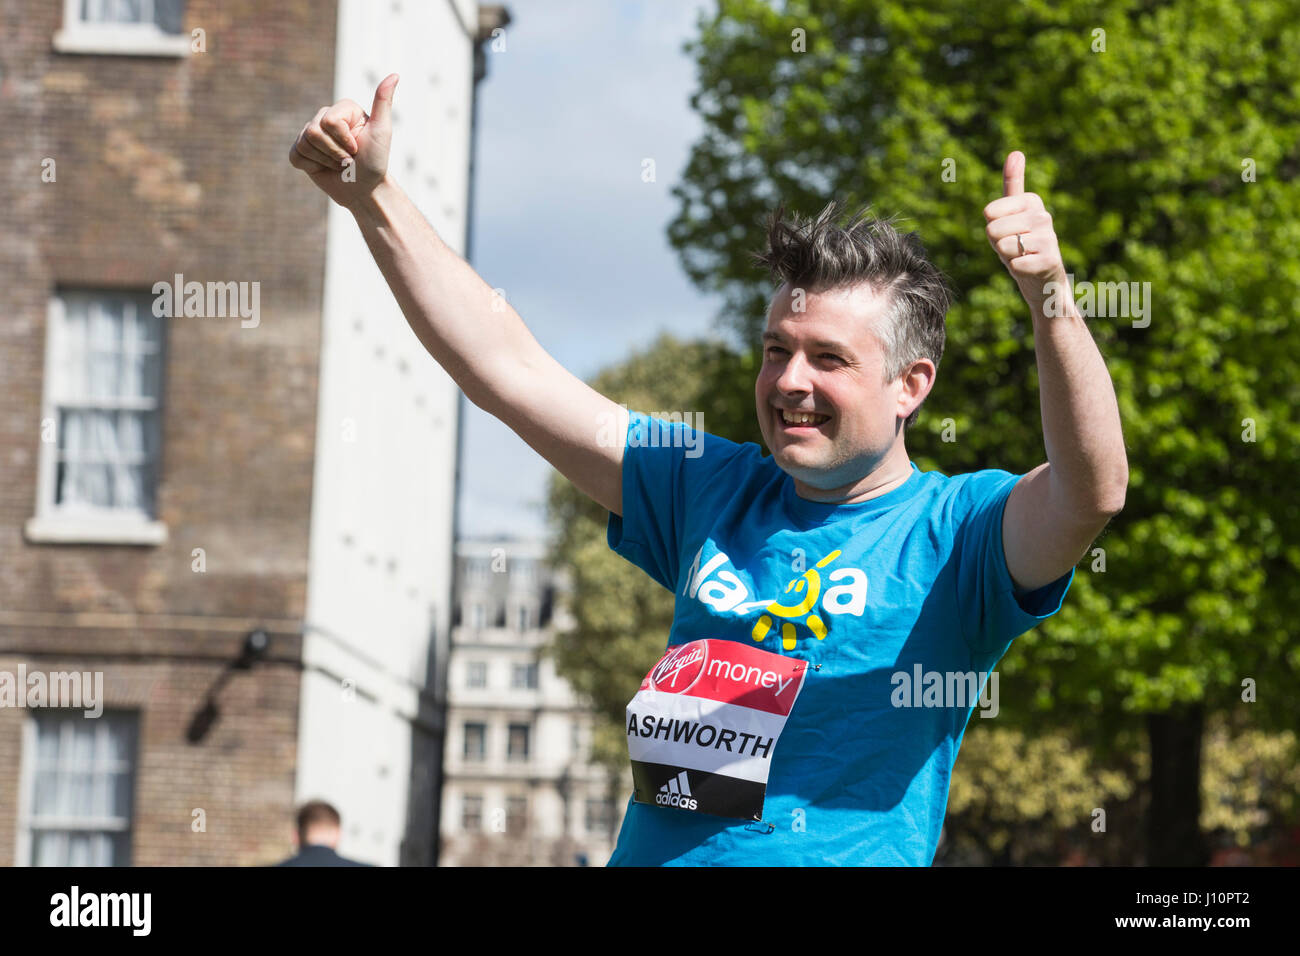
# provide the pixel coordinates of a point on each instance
(1013, 174)
(381, 111)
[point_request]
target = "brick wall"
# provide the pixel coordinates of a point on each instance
(173, 165)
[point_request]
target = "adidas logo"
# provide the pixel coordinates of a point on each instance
(677, 793)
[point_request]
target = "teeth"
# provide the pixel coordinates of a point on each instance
(802, 418)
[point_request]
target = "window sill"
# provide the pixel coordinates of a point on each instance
(119, 43)
(87, 530)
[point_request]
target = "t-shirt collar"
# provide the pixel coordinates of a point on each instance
(818, 512)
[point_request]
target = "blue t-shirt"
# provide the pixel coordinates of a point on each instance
(917, 586)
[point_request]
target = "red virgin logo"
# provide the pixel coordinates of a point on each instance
(679, 668)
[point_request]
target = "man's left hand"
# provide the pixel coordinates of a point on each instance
(1022, 214)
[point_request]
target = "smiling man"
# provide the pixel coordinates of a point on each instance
(838, 611)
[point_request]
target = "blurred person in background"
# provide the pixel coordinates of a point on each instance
(319, 829)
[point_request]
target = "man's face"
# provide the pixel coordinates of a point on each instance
(826, 359)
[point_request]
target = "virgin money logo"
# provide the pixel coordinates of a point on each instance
(679, 668)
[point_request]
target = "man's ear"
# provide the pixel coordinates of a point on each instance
(917, 379)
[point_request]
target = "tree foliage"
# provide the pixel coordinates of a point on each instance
(1166, 148)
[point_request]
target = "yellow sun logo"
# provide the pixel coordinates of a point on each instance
(811, 583)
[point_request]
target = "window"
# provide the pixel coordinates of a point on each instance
(524, 676)
(100, 421)
(471, 813)
(598, 816)
(133, 27)
(480, 616)
(477, 571)
(77, 789)
(476, 674)
(517, 746)
(516, 814)
(523, 618)
(475, 741)
(575, 740)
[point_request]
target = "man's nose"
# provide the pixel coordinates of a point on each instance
(794, 377)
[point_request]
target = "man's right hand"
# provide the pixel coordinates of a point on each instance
(341, 136)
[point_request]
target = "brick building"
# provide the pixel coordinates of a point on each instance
(277, 460)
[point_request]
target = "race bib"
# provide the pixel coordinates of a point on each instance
(702, 729)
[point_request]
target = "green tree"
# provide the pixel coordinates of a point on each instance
(1165, 140)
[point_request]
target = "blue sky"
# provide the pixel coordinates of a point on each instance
(584, 91)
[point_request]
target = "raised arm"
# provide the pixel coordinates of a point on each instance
(1056, 511)
(473, 333)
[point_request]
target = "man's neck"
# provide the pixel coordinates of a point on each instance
(894, 469)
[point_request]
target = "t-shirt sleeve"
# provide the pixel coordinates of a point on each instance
(668, 470)
(992, 610)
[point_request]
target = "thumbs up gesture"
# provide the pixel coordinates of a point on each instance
(1020, 230)
(345, 151)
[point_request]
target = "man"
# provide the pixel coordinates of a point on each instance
(318, 835)
(838, 611)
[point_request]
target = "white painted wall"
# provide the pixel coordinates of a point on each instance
(380, 555)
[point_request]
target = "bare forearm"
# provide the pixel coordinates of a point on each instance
(1081, 424)
(470, 331)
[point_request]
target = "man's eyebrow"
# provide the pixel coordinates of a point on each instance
(770, 336)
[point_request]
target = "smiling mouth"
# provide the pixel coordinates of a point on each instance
(814, 422)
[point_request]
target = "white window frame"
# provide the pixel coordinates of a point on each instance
(473, 667)
(465, 756)
(51, 523)
(524, 675)
(27, 789)
(465, 799)
(123, 39)
(527, 755)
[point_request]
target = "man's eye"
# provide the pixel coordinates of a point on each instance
(830, 356)
(773, 348)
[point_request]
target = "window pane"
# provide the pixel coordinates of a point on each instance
(86, 485)
(46, 792)
(114, 11)
(81, 787)
(75, 781)
(105, 328)
(82, 746)
(103, 374)
(118, 744)
(120, 805)
(110, 354)
(518, 742)
(50, 849)
(47, 749)
(475, 740)
(516, 814)
(471, 814)
(140, 375)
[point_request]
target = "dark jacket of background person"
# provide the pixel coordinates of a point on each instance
(319, 855)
